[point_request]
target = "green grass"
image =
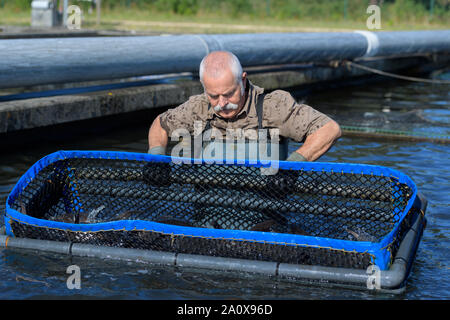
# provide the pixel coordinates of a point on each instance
(15, 16)
(215, 16)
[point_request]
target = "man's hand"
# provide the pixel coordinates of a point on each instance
(157, 151)
(157, 138)
(319, 142)
(295, 156)
(157, 173)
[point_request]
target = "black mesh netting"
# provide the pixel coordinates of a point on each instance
(335, 205)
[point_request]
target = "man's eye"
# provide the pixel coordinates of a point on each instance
(213, 97)
(229, 95)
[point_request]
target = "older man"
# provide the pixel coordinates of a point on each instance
(231, 101)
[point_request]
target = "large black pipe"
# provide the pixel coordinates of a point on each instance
(27, 62)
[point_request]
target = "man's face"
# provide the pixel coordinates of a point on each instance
(223, 92)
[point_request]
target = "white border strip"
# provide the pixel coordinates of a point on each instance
(373, 43)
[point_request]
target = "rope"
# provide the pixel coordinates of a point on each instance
(392, 75)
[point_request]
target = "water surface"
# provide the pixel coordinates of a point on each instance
(392, 105)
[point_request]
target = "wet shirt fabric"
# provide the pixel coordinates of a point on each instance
(280, 111)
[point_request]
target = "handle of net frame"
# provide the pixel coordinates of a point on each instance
(298, 183)
(252, 201)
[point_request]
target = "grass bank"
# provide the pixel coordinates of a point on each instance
(235, 16)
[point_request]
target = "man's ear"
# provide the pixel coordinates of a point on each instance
(244, 77)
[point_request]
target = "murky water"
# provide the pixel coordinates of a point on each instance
(393, 105)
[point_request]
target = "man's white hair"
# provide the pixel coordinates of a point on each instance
(233, 63)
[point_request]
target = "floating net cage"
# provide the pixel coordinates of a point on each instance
(316, 214)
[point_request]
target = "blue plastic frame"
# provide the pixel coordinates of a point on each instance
(378, 250)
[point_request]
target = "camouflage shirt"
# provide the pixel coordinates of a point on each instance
(280, 110)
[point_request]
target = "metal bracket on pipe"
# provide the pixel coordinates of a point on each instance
(373, 43)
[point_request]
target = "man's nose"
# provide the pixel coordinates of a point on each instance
(223, 101)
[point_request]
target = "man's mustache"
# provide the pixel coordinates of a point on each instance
(228, 106)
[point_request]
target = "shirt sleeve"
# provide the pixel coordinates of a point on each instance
(294, 120)
(184, 116)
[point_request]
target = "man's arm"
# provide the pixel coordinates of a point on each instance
(157, 137)
(317, 143)
(181, 117)
(300, 122)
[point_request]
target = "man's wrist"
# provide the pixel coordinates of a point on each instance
(295, 156)
(158, 150)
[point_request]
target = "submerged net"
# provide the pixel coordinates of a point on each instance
(225, 200)
(408, 126)
(410, 112)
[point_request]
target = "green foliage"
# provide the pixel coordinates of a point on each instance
(18, 4)
(401, 10)
(240, 6)
(392, 11)
(181, 7)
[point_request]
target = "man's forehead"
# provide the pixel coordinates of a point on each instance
(218, 73)
(223, 83)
